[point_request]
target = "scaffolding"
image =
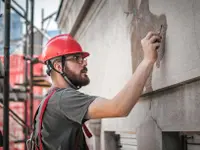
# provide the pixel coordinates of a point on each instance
(10, 94)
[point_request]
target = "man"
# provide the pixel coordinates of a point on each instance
(68, 109)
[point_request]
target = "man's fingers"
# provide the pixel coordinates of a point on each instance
(156, 45)
(155, 38)
(150, 34)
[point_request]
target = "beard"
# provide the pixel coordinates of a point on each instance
(78, 80)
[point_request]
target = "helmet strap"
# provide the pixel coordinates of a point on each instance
(65, 75)
(69, 82)
(49, 67)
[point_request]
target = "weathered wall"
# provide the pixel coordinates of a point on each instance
(68, 14)
(180, 19)
(113, 39)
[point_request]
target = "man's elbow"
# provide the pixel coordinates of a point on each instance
(122, 113)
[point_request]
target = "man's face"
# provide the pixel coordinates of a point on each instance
(75, 68)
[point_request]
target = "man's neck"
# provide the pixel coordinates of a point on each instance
(60, 85)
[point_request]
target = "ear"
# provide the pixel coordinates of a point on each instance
(58, 66)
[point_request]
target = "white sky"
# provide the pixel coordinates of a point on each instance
(49, 6)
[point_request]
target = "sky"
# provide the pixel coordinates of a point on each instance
(49, 6)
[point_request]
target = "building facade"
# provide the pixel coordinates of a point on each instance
(167, 114)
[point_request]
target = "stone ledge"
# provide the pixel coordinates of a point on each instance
(69, 12)
(76, 15)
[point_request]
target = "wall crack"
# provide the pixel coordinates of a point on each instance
(156, 123)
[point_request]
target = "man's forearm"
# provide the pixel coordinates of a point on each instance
(124, 101)
(129, 95)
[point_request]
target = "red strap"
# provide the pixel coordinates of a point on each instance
(41, 117)
(87, 132)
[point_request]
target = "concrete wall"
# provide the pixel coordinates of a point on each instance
(111, 32)
(182, 40)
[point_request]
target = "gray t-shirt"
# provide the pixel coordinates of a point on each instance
(63, 119)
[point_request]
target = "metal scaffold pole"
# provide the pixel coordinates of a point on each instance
(26, 72)
(6, 74)
(31, 64)
(42, 22)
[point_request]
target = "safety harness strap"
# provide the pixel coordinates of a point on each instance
(86, 130)
(41, 117)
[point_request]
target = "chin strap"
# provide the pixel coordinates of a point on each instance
(50, 67)
(69, 82)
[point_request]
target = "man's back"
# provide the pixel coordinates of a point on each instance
(63, 118)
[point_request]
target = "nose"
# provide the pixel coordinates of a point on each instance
(84, 62)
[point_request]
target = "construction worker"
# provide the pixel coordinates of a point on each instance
(67, 108)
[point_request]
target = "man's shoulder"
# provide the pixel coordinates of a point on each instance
(67, 89)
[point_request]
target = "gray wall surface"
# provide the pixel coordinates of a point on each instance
(111, 32)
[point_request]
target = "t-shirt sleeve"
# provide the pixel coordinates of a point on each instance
(74, 104)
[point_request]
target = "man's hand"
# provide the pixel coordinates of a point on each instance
(150, 44)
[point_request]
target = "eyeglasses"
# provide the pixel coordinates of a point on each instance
(76, 58)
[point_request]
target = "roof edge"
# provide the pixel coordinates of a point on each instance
(59, 9)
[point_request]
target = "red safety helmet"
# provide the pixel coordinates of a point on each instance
(60, 45)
